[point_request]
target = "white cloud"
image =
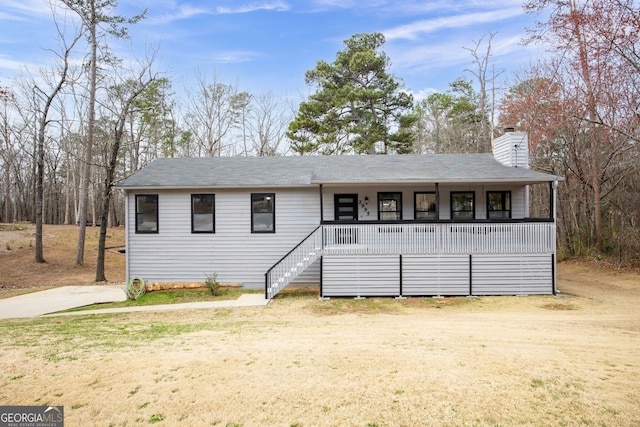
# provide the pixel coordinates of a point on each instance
(187, 11)
(10, 64)
(422, 93)
(415, 29)
(231, 57)
(414, 7)
(277, 6)
(183, 12)
(429, 56)
(12, 9)
(347, 4)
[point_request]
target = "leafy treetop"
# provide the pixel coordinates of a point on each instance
(357, 107)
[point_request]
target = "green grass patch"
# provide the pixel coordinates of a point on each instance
(536, 383)
(172, 296)
(69, 338)
(335, 306)
(156, 418)
(11, 227)
(297, 293)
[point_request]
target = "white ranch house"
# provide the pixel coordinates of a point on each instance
(387, 225)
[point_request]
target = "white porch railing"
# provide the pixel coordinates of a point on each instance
(439, 239)
(411, 239)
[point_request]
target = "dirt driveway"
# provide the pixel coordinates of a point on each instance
(563, 360)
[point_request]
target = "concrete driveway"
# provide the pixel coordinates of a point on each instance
(58, 299)
(67, 297)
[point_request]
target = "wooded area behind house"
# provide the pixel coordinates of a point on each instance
(580, 108)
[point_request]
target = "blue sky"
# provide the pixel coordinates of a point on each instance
(269, 44)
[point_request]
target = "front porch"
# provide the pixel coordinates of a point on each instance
(405, 258)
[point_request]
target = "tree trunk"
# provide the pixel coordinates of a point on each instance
(108, 183)
(7, 194)
(39, 256)
(104, 215)
(592, 115)
(88, 158)
(67, 192)
(597, 213)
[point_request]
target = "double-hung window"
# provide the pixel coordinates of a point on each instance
(498, 204)
(203, 219)
(462, 205)
(146, 213)
(263, 213)
(425, 205)
(389, 206)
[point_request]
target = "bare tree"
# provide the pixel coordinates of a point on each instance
(58, 80)
(94, 16)
(268, 124)
(486, 98)
(7, 98)
(123, 96)
(598, 70)
(212, 115)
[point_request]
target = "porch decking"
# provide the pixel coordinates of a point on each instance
(436, 254)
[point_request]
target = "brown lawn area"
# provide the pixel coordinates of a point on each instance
(18, 270)
(551, 360)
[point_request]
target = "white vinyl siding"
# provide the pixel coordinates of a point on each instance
(236, 254)
(360, 276)
(512, 149)
(435, 275)
(452, 275)
(512, 274)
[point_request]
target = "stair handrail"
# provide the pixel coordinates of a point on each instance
(267, 275)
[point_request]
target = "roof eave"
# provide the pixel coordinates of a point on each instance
(439, 181)
(204, 187)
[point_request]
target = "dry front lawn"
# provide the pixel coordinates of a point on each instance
(563, 360)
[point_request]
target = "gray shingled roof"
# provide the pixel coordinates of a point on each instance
(307, 170)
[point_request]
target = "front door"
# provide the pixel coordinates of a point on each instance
(346, 207)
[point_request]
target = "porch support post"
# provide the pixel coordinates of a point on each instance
(553, 274)
(437, 201)
(552, 200)
(400, 265)
(470, 275)
(321, 263)
(321, 205)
